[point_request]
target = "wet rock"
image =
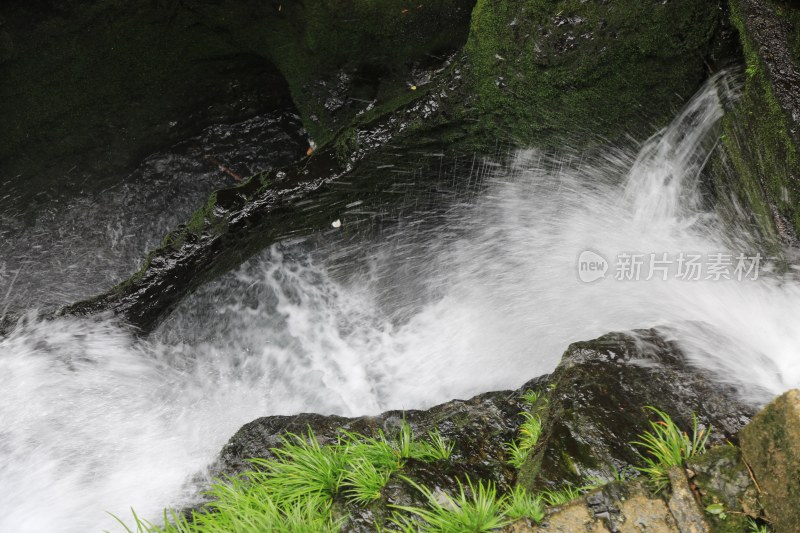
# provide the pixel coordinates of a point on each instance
(759, 166)
(596, 405)
(720, 477)
(771, 446)
(478, 428)
(683, 506)
(572, 68)
(594, 409)
(6, 44)
(636, 510)
(240, 221)
(95, 86)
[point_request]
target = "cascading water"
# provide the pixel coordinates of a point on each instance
(94, 420)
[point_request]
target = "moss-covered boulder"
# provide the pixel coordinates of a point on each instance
(760, 164)
(546, 70)
(477, 428)
(591, 407)
(721, 480)
(596, 406)
(771, 446)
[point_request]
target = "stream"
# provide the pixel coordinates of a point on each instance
(483, 292)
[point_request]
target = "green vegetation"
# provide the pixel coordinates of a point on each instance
(517, 453)
(755, 527)
(544, 70)
(294, 491)
(563, 495)
(666, 446)
(530, 431)
(717, 509)
(482, 511)
(760, 148)
(475, 510)
(520, 504)
(363, 482)
(532, 397)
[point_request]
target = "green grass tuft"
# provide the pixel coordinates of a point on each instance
(519, 504)
(564, 495)
(530, 431)
(363, 481)
(532, 397)
(517, 454)
(408, 447)
(294, 491)
(479, 512)
(304, 468)
(377, 450)
(666, 446)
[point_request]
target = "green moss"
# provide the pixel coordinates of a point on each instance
(340, 55)
(762, 152)
(722, 480)
(791, 14)
(557, 67)
(345, 144)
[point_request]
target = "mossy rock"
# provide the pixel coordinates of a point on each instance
(478, 429)
(348, 61)
(771, 446)
(720, 477)
(760, 164)
(544, 71)
(596, 407)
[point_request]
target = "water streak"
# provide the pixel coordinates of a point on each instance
(483, 296)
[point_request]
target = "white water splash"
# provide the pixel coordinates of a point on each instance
(93, 420)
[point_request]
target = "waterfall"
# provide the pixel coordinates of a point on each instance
(95, 420)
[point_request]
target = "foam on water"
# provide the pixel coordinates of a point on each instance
(94, 420)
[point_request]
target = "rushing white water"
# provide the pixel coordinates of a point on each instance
(93, 420)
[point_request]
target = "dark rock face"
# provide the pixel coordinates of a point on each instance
(760, 163)
(361, 74)
(478, 427)
(237, 222)
(6, 44)
(593, 411)
(596, 406)
(89, 88)
(348, 61)
(547, 70)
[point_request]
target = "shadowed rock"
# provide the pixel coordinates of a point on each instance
(593, 410)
